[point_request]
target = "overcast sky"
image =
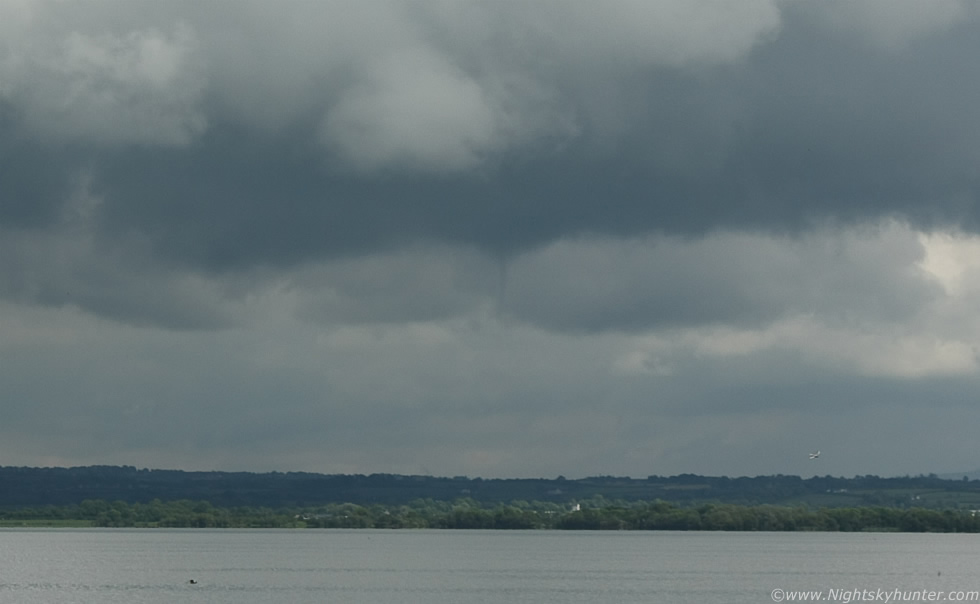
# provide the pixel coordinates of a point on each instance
(493, 239)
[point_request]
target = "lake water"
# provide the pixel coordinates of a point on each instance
(132, 566)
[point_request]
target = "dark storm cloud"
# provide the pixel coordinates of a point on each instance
(810, 124)
(36, 181)
(219, 146)
(834, 136)
(839, 127)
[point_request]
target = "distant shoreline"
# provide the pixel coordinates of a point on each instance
(467, 514)
(38, 487)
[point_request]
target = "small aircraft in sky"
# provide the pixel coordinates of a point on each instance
(815, 455)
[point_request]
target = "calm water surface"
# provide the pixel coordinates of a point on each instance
(51, 566)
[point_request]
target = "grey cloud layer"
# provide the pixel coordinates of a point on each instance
(489, 238)
(216, 143)
(422, 120)
(723, 279)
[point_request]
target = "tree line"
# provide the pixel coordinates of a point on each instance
(593, 514)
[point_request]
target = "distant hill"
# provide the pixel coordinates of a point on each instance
(974, 475)
(22, 486)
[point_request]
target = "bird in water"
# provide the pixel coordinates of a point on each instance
(193, 581)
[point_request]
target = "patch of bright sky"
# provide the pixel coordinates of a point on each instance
(953, 258)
